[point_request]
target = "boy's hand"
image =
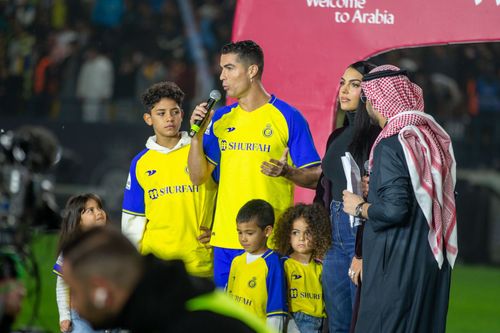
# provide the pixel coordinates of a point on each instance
(205, 236)
(199, 113)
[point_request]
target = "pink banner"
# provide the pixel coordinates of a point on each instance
(308, 43)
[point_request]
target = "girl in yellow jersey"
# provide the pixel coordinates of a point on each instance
(302, 236)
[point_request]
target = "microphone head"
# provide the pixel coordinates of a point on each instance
(215, 94)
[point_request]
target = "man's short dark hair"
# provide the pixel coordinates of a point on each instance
(160, 90)
(248, 52)
(257, 209)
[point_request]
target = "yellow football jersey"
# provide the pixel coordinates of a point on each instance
(238, 142)
(305, 293)
(159, 187)
(258, 286)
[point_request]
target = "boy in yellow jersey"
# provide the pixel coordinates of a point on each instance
(164, 213)
(261, 144)
(256, 279)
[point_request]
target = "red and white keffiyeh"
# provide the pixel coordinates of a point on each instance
(428, 152)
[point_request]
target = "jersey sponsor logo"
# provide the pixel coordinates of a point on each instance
(253, 282)
(174, 189)
(243, 300)
(294, 293)
(309, 295)
(230, 129)
(268, 131)
(244, 146)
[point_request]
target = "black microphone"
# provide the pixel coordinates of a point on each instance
(214, 97)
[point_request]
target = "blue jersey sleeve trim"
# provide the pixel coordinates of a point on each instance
(57, 268)
(309, 165)
(211, 161)
(276, 284)
(300, 142)
(133, 196)
(278, 313)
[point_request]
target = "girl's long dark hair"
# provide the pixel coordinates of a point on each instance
(72, 215)
(365, 132)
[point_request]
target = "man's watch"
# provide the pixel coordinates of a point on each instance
(359, 210)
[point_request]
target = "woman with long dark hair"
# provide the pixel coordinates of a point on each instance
(341, 265)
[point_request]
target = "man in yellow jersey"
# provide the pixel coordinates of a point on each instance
(164, 213)
(261, 145)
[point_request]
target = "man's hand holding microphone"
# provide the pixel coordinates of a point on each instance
(203, 113)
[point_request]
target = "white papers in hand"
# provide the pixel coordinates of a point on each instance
(353, 177)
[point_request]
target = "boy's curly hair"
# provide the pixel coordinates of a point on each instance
(161, 90)
(318, 223)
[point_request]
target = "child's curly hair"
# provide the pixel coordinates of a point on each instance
(318, 223)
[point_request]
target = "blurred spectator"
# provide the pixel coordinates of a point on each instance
(125, 107)
(20, 52)
(108, 13)
(50, 34)
(70, 108)
(151, 72)
(95, 85)
(488, 88)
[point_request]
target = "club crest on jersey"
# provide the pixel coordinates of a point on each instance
(268, 131)
(253, 282)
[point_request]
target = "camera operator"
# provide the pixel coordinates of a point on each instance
(26, 202)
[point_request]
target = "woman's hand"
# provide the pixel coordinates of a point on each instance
(356, 270)
(351, 200)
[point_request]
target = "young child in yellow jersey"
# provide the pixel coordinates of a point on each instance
(302, 236)
(256, 279)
